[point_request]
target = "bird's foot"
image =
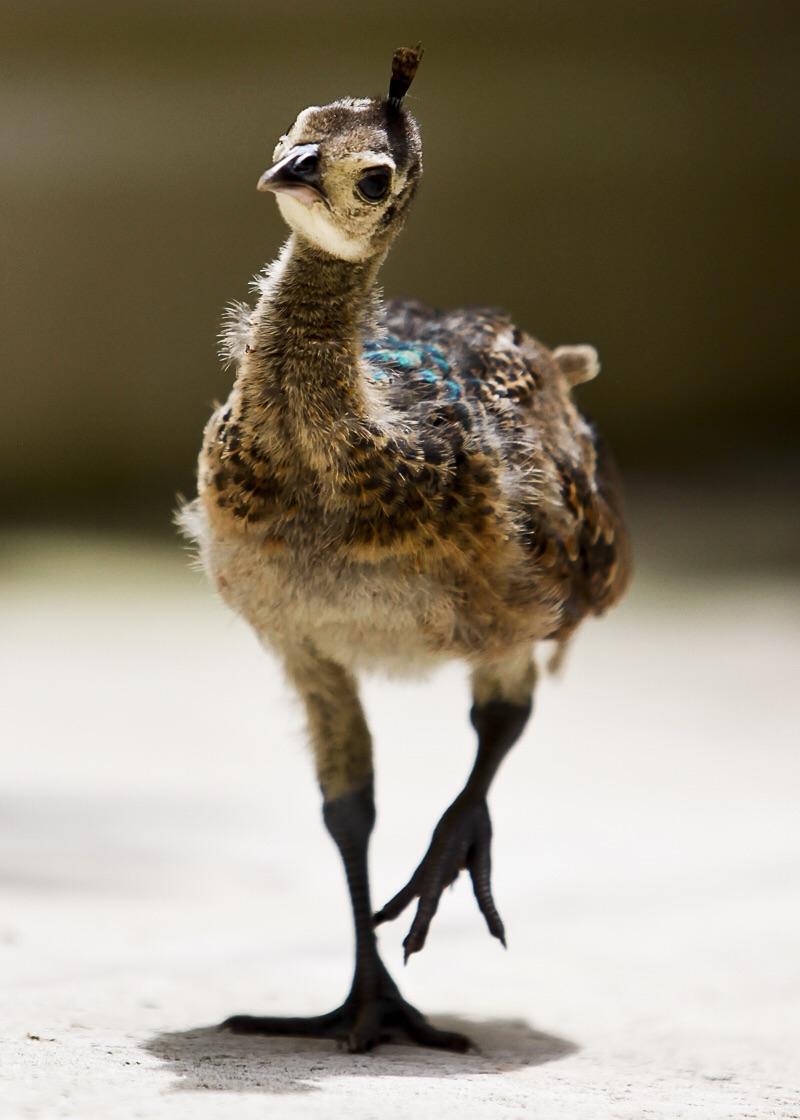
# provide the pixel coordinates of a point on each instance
(462, 839)
(360, 1023)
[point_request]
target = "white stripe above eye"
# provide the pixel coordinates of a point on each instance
(369, 159)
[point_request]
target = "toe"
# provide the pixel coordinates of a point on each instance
(418, 934)
(419, 1030)
(480, 870)
(396, 905)
(424, 1034)
(366, 1030)
(315, 1026)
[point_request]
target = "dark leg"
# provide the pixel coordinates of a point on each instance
(462, 838)
(374, 1011)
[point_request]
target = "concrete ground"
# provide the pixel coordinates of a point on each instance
(163, 864)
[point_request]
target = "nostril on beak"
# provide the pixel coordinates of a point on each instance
(302, 165)
(297, 174)
(306, 165)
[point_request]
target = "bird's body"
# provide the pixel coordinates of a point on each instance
(463, 513)
(390, 487)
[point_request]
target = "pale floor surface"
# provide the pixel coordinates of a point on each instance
(163, 864)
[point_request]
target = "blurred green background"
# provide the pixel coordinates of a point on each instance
(622, 173)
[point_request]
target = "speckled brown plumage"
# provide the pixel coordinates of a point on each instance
(485, 476)
(390, 485)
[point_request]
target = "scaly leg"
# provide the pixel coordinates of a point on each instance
(502, 696)
(374, 1011)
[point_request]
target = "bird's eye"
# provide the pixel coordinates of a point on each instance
(374, 184)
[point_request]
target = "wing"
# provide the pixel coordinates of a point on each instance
(512, 396)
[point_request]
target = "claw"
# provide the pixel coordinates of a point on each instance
(461, 839)
(396, 905)
(480, 870)
(418, 933)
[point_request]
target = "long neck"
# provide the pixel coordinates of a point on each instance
(303, 373)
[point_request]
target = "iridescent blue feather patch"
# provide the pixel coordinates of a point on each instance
(391, 357)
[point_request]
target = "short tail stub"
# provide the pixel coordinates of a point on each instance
(577, 363)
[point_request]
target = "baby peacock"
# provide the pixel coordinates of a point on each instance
(392, 486)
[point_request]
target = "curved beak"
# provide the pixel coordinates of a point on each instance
(297, 174)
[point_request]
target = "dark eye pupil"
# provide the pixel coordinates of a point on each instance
(374, 184)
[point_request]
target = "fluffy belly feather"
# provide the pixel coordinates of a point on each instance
(364, 616)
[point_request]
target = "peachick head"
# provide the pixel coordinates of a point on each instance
(344, 173)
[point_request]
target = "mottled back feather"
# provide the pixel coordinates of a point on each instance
(481, 382)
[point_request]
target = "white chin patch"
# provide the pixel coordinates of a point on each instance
(314, 223)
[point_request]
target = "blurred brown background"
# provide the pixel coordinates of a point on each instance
(621, 173)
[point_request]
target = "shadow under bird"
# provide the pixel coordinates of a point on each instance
(390, 486)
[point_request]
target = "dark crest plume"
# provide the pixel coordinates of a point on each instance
(405, 61)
